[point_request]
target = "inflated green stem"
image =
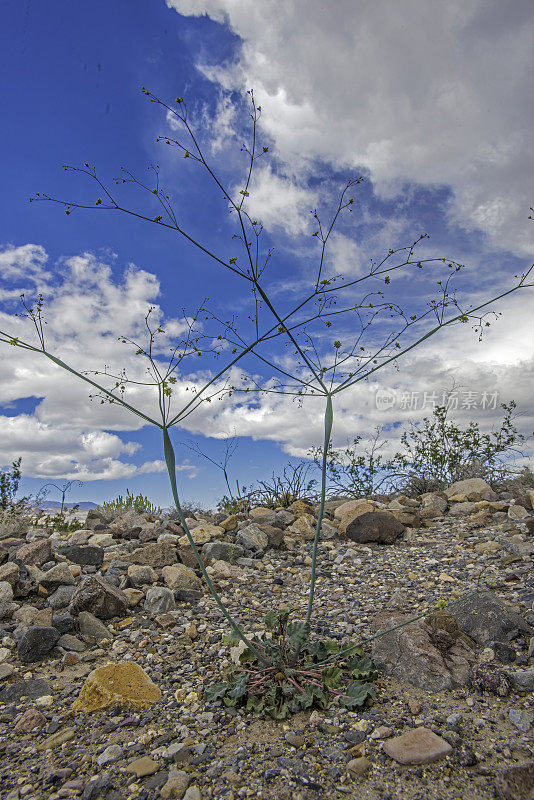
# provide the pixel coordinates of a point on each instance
(170, 460)
(328, 421)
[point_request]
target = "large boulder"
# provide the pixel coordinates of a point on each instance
(85, 556)
(221, 551)
(486, 619)
(252, 538)
(155, 554)
(473, 488)
(429, 657)
(37, 552)
(36, 642)
(374, 526)
(178, 577)
(122, 684)
(100, 598)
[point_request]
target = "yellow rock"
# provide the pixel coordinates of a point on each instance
(230, 523)
(355, 511)
(446, 578)
(259, 511)
(458, 498)
(301, 507)
(122, 684)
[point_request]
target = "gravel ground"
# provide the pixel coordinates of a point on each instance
(224, 753)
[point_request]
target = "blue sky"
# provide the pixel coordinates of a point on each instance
(439, 127)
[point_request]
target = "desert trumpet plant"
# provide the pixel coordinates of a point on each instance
(338, 331)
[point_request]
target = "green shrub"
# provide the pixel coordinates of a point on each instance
(140, 504)
(437, 452)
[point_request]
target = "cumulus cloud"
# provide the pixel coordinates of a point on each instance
(87, 311)
(423, 92)
(68, 436)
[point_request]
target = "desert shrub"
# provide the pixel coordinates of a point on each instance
(353, 472)
(436, 452)
(140, 504)
(9, 484)
(61, 521)
(281, 490)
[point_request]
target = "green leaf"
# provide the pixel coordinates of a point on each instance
(331, 677)
(298, 634)
(216, 691)
(271, 620)
(356, 694)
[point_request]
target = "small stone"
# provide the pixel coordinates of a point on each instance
(359, 766)
(110, 755)
(122, 684)
(60, 575)
(141, 574)
(6, 670)
(6, 599)
(36, 553)
(85, 556)
(134, 596)
(68, 642)
(179, 577)
(176, 785)
(31, 719)
(60, 737)
(99, 597)
(521, 719)
(414, 705)
(143, 766)
(192, 793)
(31, 688)
(516, 782)
(382, 732)
(9, 573)
(417, 746)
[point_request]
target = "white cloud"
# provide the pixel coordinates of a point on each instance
(278, 201)
(420, 92)
(70, 437)
(87, 311)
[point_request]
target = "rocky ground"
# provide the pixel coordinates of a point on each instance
(454, 713)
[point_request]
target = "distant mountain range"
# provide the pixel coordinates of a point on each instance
(83, 505)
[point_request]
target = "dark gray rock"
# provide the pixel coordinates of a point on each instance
(374, 526)
(61, 597)
(92, 628)
(32, 689)
(252, 538)
(221, 551)
(159, 599)
(85, 556)
(100, 598)
(515, 783)
(485, 618)
(71, 643)
(64, 623)
(36, 642)
(522, 679)
(418, 654)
